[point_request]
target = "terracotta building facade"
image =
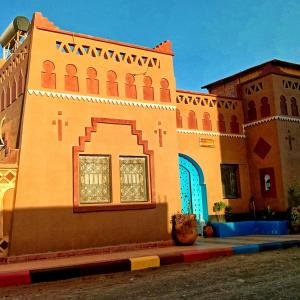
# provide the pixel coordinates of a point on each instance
(100, 148)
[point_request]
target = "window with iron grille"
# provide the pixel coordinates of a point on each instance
(133, 179)
(94, 179)
(230, 181)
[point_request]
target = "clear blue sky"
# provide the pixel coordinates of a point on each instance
(211, 39)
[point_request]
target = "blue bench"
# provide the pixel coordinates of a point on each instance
(250, 227)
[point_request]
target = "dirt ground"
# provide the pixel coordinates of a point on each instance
(266, 275)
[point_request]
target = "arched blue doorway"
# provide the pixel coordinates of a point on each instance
(192, 188)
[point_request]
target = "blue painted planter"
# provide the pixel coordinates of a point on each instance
(250, 227)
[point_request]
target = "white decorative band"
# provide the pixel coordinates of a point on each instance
(211, 133)
(279, 118)
(101, 100)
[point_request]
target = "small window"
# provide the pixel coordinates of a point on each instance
(230, 181)
(94, 174)
(133, 179)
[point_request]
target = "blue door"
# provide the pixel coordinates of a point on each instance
(192, 188)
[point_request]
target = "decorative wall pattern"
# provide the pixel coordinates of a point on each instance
(206, 102)
(107, 54)
(289, 84)
(253, 88)
(114, 83)
(262, 148)
(12, 86)
(100, 100)
(278, 118)
(210, 133)
(79, 150)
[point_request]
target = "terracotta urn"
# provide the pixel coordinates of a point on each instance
(184, 229)
(208, 231)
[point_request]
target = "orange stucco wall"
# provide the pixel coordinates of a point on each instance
(85, 95)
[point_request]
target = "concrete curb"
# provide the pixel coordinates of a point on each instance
(134, 263)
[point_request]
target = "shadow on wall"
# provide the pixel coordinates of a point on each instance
(57, 229)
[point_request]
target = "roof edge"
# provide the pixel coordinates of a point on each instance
(274, 62)
(42, 23)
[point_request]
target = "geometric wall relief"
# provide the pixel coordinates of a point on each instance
(59, 124)
(164, 91)
(92, 83)
(288, 84)
(48, 77)
(265, 109)
(290, 140)
(254, 88)
(205, 102)
(160, 133)
(262, 148)
(124, 56)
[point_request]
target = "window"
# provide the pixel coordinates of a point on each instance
(230, 181)
(267, 182)
(133, 179)
(94, 174)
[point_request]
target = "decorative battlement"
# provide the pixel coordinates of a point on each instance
(217, 114)
(13, 62)
(206, 100)
(42, 22)
(164, 47)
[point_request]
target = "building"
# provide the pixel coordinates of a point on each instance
(100, 148)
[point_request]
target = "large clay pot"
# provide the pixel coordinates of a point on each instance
(184, 229)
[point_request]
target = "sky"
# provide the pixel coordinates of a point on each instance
(212, 39)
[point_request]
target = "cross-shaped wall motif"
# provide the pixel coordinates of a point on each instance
(59, 123)
(160, 133)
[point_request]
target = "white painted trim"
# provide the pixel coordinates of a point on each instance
(211, 133)
(273, 118)
(101, 100)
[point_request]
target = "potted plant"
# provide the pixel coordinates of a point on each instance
(184, 228)
(218, 208)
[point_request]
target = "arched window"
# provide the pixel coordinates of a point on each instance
(294, 107)
(178, 118)
(251, 111)
(267, 181)
(283, 106)
(221, 123)
(234, 125)
(206, 122)
(92, 83)
(192, 120)
(265, 110)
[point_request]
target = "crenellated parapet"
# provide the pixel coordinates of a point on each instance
(207, 112)
(68, 62)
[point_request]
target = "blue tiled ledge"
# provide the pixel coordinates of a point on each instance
(250, 227)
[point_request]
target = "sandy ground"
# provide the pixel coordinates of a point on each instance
(266, 275)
